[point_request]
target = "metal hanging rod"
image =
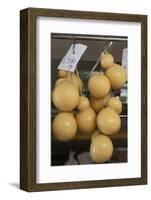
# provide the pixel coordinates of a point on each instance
(88, 37)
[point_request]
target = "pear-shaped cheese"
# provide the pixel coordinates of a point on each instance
(108, 121)
(117, 76)
(106, 60)
(96, 104)
(99, 85)
(86, 120)
(83, 103)
(101, 149)
(64, 126)
(115, 103)
(65, 96)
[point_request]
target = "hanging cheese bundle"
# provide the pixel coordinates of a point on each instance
(117, 76)
(79, 112)
(106, 60)
(83, 103)
(101, 149)
(99, 85)
(86, 120)
(64, 126)
(65, 96)
(116, 104)
(108, 121)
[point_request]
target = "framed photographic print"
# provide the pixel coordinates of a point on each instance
(83, 99)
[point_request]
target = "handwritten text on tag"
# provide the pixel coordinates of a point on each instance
(72, 57)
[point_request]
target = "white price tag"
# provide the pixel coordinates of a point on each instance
(124, 58)
(72, 57)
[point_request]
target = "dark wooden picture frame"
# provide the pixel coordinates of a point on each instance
(28, 98)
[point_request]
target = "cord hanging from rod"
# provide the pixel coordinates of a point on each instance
(109, 44)
(76, 70)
